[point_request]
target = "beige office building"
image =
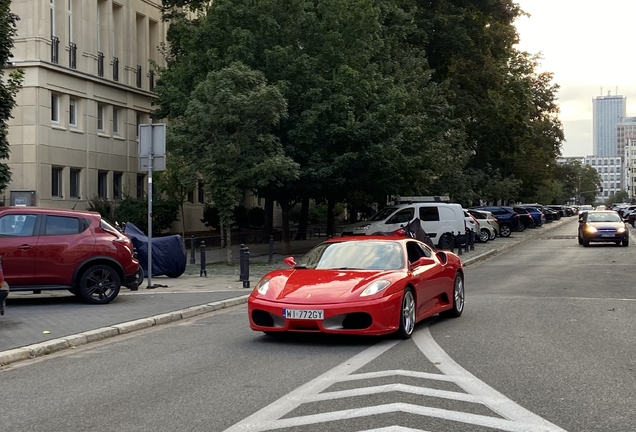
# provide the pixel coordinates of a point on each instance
(88, 85)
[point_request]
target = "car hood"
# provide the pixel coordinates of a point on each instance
(306, 286)
(606, 225)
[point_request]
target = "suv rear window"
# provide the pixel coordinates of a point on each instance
(61, 225)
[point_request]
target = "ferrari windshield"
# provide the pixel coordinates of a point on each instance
(355, 255)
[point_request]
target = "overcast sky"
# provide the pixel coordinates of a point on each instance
(588, 45)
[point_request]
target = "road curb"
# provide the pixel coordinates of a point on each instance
(73, 341)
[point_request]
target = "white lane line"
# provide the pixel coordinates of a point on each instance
(394, 429)
(394, 372)
(404, 388)
(473, 419)
(293, 399)
(471, 384)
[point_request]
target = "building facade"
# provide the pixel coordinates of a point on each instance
(607, 112)
(625, 132)
(629, 170)
(611, 171)
(88, 85)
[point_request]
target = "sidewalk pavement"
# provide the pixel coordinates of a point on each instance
(219, 281)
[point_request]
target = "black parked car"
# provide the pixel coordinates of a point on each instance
(508, 219)
(602, 226)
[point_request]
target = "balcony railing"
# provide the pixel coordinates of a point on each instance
(138, 76)
(55, 49)
(100, 64)
(72, 58)
(115, 69)
(151, 80)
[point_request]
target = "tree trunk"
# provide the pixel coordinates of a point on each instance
(268, 225)
(183, 224)
(303, 220)
(229, 245)
(286, 234)
(331, 217)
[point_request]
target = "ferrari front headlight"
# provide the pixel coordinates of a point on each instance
(375, 287)
(262, 286)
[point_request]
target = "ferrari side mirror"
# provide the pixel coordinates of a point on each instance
(290, 261)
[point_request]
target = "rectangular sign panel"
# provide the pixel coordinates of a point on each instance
(152, 136)
(158, 163)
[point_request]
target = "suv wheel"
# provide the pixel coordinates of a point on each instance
(99, 284)
(505, 230)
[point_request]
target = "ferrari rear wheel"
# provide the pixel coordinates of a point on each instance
(458, 299)
(407, 315)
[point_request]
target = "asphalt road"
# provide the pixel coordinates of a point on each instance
(546, 344)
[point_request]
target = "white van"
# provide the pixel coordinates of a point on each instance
(439, 220)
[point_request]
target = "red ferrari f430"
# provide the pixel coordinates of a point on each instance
(366, 285)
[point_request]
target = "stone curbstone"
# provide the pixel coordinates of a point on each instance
(76, 340)
(100, 334)
(13, 355)
(135, 325)
(48, 347)
(196, 310)
(167, 318)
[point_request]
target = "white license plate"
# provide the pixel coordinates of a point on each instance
(308, 314)
(607, 235)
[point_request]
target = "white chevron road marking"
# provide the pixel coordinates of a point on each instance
(512, 417)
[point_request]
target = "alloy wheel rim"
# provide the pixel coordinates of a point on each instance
(485, 236)
(100, 284)
(408, 312)
(459, 294)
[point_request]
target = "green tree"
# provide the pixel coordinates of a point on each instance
(176, 182)
(8, 87)
(226, 135)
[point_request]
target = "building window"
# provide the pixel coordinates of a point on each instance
(72, 112)
(140, 185)
(52, 16)
(55, 108)
(115, 120)
(117, 185)
(102, 184)
(200, 191)
(70, 20)
(56, 182)
(100, 117)
(75, 182)
(191, 196)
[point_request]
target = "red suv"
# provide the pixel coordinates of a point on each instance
(4, 289)
(48, 249)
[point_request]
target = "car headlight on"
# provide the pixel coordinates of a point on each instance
(591, 229)
(375, 287)
(363, 227)
(620, 230)
(262, 286)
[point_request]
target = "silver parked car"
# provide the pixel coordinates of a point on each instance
(490, 222)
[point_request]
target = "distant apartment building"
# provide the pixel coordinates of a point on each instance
(611, 171)
(607, 113)
(88, 86)
(629, 170)
(625, 131)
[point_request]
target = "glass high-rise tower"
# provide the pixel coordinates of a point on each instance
(608, 112)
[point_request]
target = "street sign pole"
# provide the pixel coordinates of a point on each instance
(152, 150)
(150, 156)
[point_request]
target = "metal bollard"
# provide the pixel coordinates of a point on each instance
(458, 243)
(242, 262)
(271, 250)
(203, 271)
(466, 241)
(472, 240)
(246, 271)
(193, 248)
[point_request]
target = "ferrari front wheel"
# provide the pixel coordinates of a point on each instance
(458, 299)
(407, 315)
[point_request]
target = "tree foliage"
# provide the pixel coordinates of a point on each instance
(9, 86)
(381, 98)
